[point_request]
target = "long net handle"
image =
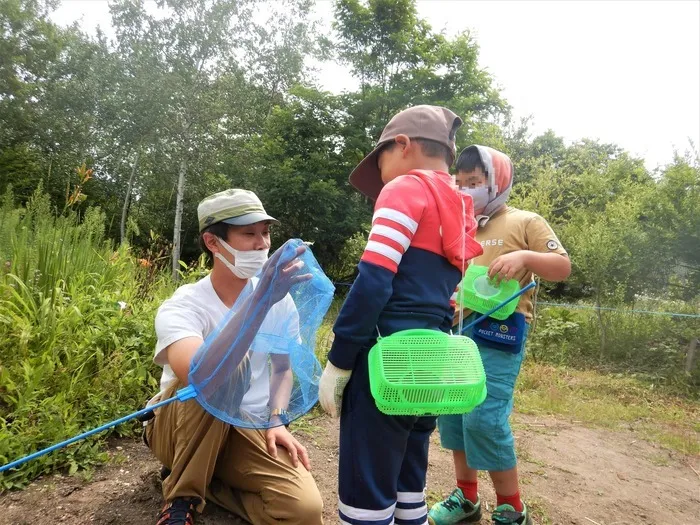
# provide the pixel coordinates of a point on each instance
(496, 308)
(181, 395)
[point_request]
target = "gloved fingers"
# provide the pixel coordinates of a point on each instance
(328, 405)
(338, 405)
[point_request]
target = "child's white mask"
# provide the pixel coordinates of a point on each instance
(247, 263)
(479, 195)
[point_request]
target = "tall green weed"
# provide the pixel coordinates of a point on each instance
(648, 346)
(76, 334)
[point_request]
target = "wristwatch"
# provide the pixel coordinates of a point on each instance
(282, 414)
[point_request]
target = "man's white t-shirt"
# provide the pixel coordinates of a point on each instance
(194, 310)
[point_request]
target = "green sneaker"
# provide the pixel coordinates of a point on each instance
(507, 515)
(455, 509)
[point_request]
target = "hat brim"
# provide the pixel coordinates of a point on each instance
(366, 177)
(250, 218)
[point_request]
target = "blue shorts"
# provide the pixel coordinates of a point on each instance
(484, 434)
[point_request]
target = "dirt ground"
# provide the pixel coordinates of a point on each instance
(570, 475)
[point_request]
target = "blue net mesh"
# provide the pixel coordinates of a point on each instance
(258, 368)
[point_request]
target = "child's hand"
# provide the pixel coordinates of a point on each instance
(331, 388)
(508, 266)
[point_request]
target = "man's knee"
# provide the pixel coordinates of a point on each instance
(307, 504)
(311, 509)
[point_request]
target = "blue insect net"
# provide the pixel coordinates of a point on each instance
(258, 368)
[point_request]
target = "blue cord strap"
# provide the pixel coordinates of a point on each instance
(625, 310)
(181, 395)
(496, 308)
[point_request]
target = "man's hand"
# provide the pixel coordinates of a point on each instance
(279, 283)
(507, 266)
(330, 390)
(281, 437)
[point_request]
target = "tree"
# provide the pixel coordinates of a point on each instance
(301, 176)
(606, 251)
(401, 62)
(30, 46)
(184, 57)
(673, 218)
(208, 59)
(20, 167)
(49, 87)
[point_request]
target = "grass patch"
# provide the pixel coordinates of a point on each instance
(432, 497)
(610, 401)
(306, 424)
(324, 336)
(525, 456)
(660, 460)
(538, 511)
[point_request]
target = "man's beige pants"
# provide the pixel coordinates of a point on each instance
(230, 466)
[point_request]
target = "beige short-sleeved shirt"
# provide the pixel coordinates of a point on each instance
(510, 230)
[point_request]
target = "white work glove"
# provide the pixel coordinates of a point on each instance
(331, 387)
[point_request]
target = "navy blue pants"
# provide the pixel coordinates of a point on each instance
(383, 459)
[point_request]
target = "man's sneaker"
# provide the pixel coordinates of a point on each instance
(507, 515)
(180, 511)
(164, 472)
(455, 509)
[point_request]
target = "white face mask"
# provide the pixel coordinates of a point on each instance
(247, 263)
(480, 197)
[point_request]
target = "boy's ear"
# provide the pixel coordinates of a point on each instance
(404, 142)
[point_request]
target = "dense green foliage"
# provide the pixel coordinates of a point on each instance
(76, 332)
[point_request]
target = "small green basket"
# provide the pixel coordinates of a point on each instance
(426, 372)
(478, 293)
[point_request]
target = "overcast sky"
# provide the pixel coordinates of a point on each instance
(623, 71)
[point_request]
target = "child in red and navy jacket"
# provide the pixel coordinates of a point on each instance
(421, 239)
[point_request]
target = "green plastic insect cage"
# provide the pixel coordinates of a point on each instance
(426, 372)
(479, 293)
